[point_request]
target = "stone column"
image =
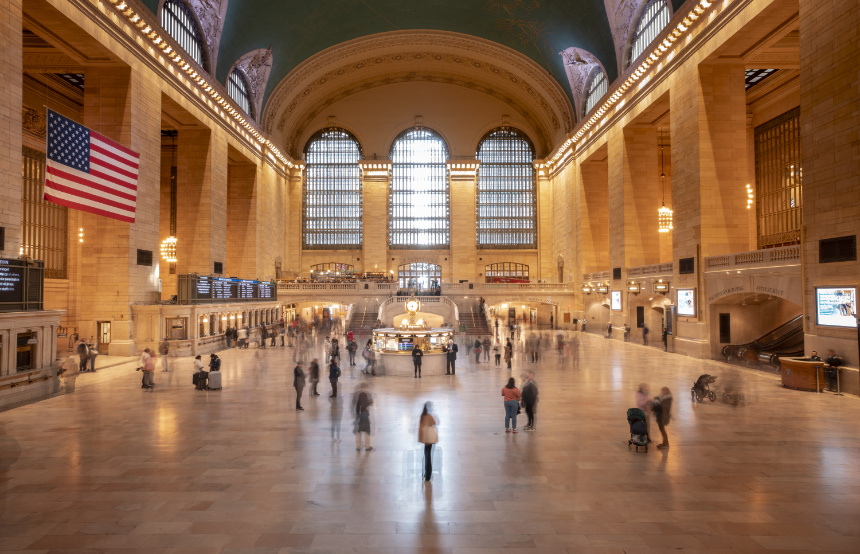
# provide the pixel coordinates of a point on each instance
(709, 177)
(829, 134)
(11, 98)
(374, 197)
(242, 221)
(463, 220)
(552, 239)
(294, 223)
(201, 200)
(120, 104)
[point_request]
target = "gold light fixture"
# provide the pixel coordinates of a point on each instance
(750, 196)
(664, 214)
(168, 250)
(634, 287)
(81, 234)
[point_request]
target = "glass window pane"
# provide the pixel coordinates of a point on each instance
(332, 203)
(506, 199)
(654, 17)
(177, 20)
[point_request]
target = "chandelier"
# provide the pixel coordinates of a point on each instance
(168, 250)
(664, 214)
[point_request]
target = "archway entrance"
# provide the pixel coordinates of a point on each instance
(419, 275)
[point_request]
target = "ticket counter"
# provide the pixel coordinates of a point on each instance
(800, 374)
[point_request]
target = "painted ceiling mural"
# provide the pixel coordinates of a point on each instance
(539, 29)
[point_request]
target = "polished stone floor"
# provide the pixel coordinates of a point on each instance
(176, 470)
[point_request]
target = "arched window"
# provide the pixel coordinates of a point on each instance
(506, 190)
(331, 207)
(597, 87)
(654, 17)
(332, 270)
(237, 88)
(180, 24)
(506, 272)
(418, 194)
(419, 275)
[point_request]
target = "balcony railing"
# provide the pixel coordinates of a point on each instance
(653, 270)
(455, 288)
(769, 257)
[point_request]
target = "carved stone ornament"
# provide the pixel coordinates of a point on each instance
(210, 14)
(256, 65)
(396, 56)
(34, 123)
(579, 64)
(620, 14)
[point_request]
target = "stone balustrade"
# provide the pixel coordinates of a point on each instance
(653, 270)
(769, 257)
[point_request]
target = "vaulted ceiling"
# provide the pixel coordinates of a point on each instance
(297, 30)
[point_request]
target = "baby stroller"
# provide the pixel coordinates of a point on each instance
(638, 430)
(701, 388)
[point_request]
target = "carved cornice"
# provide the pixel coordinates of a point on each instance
(579, 64)
(33, 123)
(466, 59)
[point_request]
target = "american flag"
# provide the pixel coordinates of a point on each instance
(89, 172)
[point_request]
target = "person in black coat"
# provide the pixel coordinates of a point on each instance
(333, 375)
(417, 354)
(299, 384)
(529, 397)
(451, 357)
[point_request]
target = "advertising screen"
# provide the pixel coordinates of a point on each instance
(835, 306)
(687, 302)
(616, 300)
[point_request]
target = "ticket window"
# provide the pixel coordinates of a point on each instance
(104, 336)
(25, 359)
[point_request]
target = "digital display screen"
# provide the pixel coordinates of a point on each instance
(11, 282)
(834, 306)
(434, 340)
(616, 300)
(204, 289)
(687, 302)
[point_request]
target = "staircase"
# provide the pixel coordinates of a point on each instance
(362, 322)
(475, 322)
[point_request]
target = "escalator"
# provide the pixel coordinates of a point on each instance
(784, 341)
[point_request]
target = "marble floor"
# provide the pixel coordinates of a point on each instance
(113, 468)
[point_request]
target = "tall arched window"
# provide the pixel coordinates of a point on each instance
(506, 190)
(418, 194)
(237, 88)
(331, 207)
(180, 24)
(654, 17)
(597, 87)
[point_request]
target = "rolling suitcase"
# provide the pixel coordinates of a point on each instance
(214, 380)
(200, 380)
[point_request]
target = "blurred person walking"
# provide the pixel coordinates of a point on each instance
(643, 402)
(299, 384)
(428, 436)
(509, 353)
(333, 375)
(362, 403)
(662, 409)
(336, 417)
(511, 395)
(485, 347)
(530, 400)
(314, 374)
(451, 358)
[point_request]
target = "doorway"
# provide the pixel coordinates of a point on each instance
(103, 336)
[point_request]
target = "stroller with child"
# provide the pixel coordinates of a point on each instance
(638, 429)
(701, 388)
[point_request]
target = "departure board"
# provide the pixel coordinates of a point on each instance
(202, 289)
(21, 284)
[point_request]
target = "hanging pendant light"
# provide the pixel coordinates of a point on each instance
(664, 214)
(168, 250)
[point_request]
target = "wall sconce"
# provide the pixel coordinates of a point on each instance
(81, 234)
(634, 287)
(660, 286)
(239, 316)
(168, 250)
(603, 289)
(205, 320)
(750, 196)
(587, 289)
(32, 340)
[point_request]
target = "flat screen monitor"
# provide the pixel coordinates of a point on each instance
(616, 300)
(687, 302)
(834, 306)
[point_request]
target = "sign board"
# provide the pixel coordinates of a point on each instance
(834, 306)
(202, 289)
(22, 284)
(686, 302)
(616, 300)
